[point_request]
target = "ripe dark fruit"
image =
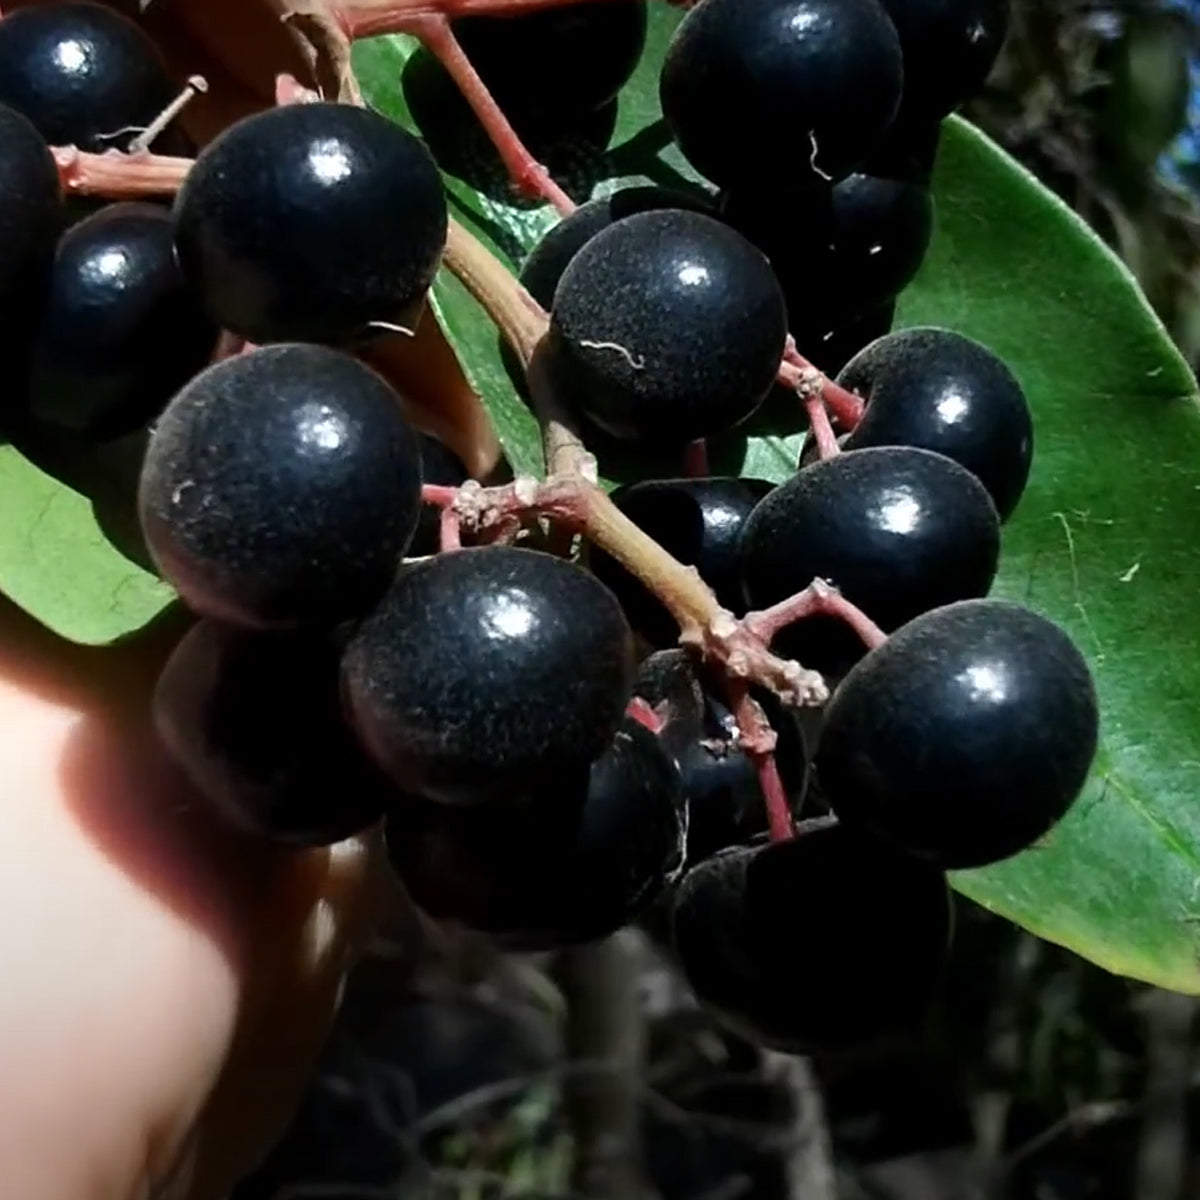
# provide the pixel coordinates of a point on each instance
(572, 862)
(698, 521)
(120, 332)
(824, 943)
(549, 258)
(667, 326)
(949, 48)
(965, 737)
(254, 721)
(312, 222)
(442, 466)
(281, 488)
(30, 207)
(559, 62)
(899, 531)
(942, 391)
(781, 92)
(84, 75)
(487, 671)
(881, 230)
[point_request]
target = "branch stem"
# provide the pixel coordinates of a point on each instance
(819, 598)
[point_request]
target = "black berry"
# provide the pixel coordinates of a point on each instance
(823, 943)
(559, 62)
(549, 258)
(570, 863)
(120, 332)
(698, 521)
(965, 737)
(949, 48)
(781, 92)
(487, 671)
(667, 326)
(312, 222)
(942, 391)
(85, 75)
(30, 211)
(281, 487)
(897, 530)
(255, 722)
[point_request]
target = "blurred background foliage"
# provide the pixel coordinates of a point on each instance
(1101, 100)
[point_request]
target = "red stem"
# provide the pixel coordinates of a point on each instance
(371, 18)
(797, 373)
(758, 741)
(695, 459)
(641, 711)
(450, 530)
(818, 419)
(816, 599)
(119, 176)
(527, 174)
(437, 495)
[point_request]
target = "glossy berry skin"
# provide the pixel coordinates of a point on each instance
(570, 863)
(84, 75)
(120, 332)
(667, 326)
(30, 208)
(312, 222)
(559, 62)
(281, 487)
(780, 92)
(881, 231)
(440, 465)
(949, 49)
(942, 391)
(254, 722)
(827, 942)
(899, 531)
(698, 522)
(965, 737)
(487, 671)
(549, 258)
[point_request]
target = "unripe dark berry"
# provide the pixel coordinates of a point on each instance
(898, 531)
(965, 737)
(84, 75)
(255, 722)
(312, 222)
(781, 92)
(486, 672)
(667, 326)
(570, 863)
(281, 487)
(558, 62)
(120, 331)
(827, 942)
(939, 390)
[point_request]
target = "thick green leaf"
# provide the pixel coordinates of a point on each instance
(57, 563)
(1104, 542)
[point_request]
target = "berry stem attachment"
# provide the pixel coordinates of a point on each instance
(695, 459)
(449, 530)
(818, 420)
(758, 740)
(529, 176)
(818, 599)
(797, 373)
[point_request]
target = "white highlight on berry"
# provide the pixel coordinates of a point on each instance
(952, 408)
(899, 511)
(71, 55)
(986, 681)
(508, 615)
(329, 161)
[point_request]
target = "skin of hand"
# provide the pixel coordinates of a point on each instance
(166, 985)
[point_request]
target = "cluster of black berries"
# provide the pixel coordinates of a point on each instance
(546, 763)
